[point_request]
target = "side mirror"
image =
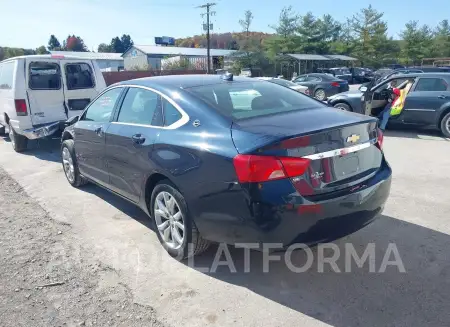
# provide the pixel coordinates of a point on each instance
(363, 88)
(71, 121)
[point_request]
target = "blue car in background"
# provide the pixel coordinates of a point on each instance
(236, 160)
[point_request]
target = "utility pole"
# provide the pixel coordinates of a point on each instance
(208, 27)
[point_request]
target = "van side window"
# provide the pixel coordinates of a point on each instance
(7, 75)
(44, 76)
(79, 76)
(101, 109)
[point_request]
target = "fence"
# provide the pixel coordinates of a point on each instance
(114, 77)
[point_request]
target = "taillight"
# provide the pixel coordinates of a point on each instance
(253, 168)
(380, 138)
(335, 84)
(21, 107)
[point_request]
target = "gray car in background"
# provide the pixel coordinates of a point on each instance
(322, 86)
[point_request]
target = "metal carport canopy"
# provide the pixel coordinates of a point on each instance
(307, 56)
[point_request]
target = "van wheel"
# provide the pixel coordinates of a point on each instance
(175, 228)
(445, 125)
(70, 165)
(18, 142)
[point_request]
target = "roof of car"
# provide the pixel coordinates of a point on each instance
(184, 81)
(443, 75)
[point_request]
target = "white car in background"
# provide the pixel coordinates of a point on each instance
(286, 83)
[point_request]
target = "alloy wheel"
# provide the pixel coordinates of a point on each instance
(69, 168)
(169, 220)
(320, 95)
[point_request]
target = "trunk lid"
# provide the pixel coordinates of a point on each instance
(341, 146)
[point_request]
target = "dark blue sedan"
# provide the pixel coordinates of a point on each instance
(234, 160)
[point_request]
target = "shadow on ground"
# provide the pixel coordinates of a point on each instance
(414, 133)
(348, 298)
(44, 149)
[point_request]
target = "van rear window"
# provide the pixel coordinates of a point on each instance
(44, 76)
(79, 76)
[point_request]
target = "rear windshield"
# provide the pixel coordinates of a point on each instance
(44, 76)
(252, 99)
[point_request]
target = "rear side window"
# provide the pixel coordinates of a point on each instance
(431, 84)
(171, 114)
(7, 75)
(79, 76)
(252, 99)
(141, 106)
(101, 109)
(44, 76)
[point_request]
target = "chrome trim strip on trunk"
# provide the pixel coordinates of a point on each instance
(339, 152)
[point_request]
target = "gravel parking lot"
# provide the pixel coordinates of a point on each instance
(114, 272)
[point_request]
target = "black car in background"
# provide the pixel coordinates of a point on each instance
(342, 73)
(426, 105)
(322, 86)
(232, 160)
(361, 75)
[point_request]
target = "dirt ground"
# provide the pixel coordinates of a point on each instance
(48, 278)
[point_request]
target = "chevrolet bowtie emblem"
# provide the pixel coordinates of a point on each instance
(353, 138)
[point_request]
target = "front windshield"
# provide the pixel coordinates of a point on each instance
(252, 99)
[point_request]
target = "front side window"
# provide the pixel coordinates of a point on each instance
(141, 106)
(252, 99)
(44, 76)
(79, 76)
(7, 75)
(431, 84)
(101, 109)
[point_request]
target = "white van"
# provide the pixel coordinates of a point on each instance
(39, 93)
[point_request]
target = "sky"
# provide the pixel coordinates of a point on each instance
(29, 23)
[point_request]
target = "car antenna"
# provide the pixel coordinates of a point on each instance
(227, 77)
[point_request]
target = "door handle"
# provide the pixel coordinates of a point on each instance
(138, 139)
(442, 97)
(98, 131)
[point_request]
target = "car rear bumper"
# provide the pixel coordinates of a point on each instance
(41, 131)
(289, 218)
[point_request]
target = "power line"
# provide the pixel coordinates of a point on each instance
(208, 13)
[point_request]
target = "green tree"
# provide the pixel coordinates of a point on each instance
(117, 45)
(286, 40)
(250, 53)
(127, 42)
(417, 42)
(441, 42)
(370, 31)
(53, 43)
(103, 47)
(41, 50)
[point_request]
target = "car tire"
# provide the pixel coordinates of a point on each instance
(18, 142)
(343, 106)
(174, 213)
(445, 125)
(320, 94)
(70, 165)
